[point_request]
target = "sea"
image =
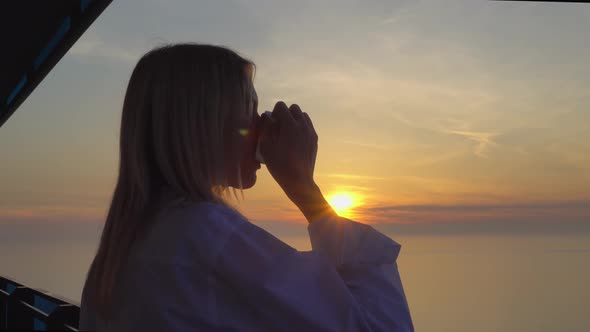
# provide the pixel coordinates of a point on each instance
(458, 283)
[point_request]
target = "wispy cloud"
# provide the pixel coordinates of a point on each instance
(483, 140)
(369, 145)
(396, 15)
(353, 188)
(573, 205)
(353, 176)
(97, 48)
(50, 214)
(527, 217)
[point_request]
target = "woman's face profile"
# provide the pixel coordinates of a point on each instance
(246, 139)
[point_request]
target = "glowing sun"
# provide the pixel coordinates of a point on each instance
(342, 203)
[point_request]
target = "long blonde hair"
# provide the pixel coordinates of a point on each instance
(180, 102)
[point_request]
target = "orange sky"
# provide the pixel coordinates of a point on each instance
(426, 113)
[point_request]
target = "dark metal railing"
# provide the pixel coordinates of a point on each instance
(24, 308)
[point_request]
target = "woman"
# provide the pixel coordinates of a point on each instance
(175, 256)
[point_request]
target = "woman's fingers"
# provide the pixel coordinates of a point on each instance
(290, 158)
(282, 114)
(264, 124)
(296, 112)
(309, 125)
(289, 117)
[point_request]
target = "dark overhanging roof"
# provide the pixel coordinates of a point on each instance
(35, 36)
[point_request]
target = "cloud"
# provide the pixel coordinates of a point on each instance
(584, 205)
(353, 176)
(51, 214)
(369, 145)
(353, 188)
(483, 140)
(95, 47)
(550, 216)
(400, 12)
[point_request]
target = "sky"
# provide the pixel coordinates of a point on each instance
(433, 117)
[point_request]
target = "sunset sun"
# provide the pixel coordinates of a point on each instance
(342, 203)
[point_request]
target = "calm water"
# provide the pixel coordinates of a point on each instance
(453, 283)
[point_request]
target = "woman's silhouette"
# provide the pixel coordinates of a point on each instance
(175, 256)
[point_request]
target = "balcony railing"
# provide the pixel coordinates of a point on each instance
(25, 308)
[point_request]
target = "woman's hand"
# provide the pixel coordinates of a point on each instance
(289, 144)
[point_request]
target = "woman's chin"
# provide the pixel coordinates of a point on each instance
(248, 181)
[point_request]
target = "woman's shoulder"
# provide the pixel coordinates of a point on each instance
(203, 213)
(186, 230)
(174, 205)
